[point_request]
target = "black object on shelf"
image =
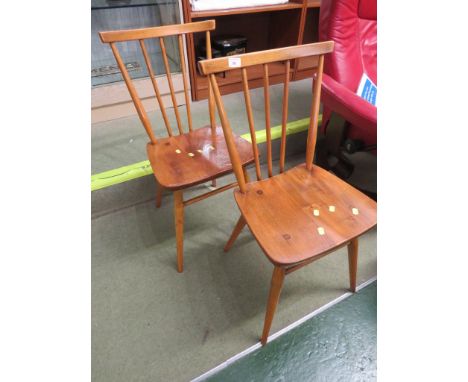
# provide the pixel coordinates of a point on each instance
(230, 45)
(225, 45)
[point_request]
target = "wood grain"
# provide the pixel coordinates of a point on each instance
(179, 170)
(186, 82)
(248, 106)
(155, 87)
(161, 31)
(171, 85)
(279, 212)
(284, 115)
(179, 225)
(266, 96)
(277, 280)
(136, 100)
(353, 249)
(221, 64)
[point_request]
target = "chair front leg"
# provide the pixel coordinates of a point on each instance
(159, 190)
(235, 233)
(273, 298)
(179, 225)
(353, 247)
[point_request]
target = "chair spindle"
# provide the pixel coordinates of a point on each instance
(211, 101)
(155, 86)
(233, 153)
(284, 120)
(266, 92)
(312, 135)
(186, 82)
(248, 106)
(171, 86)
(131, 88)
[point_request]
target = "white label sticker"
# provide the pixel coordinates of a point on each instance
(234, 62)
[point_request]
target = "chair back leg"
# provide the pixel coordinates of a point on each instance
(179, 223)
(159, 190)
(353, 247)
(237, 230)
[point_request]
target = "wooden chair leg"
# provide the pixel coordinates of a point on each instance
(275, 290)
(237, 230)
(246, 175)
(179, 225)
(159, 190)
(353, 247)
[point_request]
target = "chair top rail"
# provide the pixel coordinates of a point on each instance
(161, 31)
(222, 64)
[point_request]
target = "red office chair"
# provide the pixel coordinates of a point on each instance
(352, 25)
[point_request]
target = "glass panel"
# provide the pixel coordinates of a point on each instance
(129, 14)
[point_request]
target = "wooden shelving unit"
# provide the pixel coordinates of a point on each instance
(265, 27)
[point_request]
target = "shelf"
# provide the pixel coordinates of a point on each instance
(307, 63)
(267, 27)
(235, 76)
(313, 3)
(237, 11)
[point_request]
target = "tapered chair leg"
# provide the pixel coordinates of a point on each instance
(275, 290)
(159, 190)
(235, 233)
(353, 247)
(179, 225)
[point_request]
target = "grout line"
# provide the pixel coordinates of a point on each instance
(274, 336)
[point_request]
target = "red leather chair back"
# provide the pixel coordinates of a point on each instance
(352, 25)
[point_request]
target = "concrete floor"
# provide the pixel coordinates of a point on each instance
(150, 323)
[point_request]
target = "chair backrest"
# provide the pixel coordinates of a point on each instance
(213, 66)
(112, 37)
(352, 25)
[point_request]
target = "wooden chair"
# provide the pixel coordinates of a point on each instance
(302, 214)
(187, 159)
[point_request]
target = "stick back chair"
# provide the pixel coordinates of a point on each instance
(189, 158)
(301, 214)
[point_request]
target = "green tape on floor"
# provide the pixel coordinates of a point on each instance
(120, 175)
(291, 128)
(140, 169)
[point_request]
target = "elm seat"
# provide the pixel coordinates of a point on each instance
(171, 167)
(300, 191)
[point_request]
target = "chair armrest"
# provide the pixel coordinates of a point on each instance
(349, 105)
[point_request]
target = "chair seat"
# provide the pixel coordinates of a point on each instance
(280, 213)
(195, 157)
